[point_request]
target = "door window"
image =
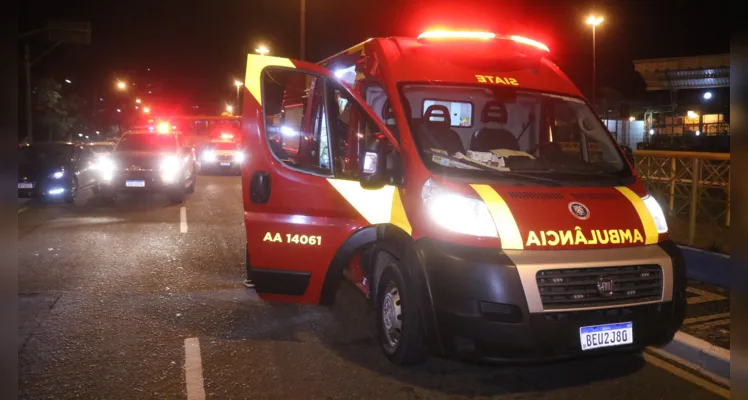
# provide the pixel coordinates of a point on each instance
(294, 107)
(353, 132)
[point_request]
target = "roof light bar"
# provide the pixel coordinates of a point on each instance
(529, 42)
(444, 34)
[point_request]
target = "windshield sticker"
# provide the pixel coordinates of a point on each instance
(496, 80)
(445, 162)
(511, 153)
(487, 158)
(577, 237)
(469, 160)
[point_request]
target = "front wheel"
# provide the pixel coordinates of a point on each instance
(399, 327)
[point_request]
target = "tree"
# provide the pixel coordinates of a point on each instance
(56, 113)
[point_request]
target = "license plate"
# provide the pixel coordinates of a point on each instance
(225, 164)
(593, 337)
(135, 183)
(25, 185)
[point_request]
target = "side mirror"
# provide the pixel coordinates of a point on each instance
(373, 168)
(629, 154)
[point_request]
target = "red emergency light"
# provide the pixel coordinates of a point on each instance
(529, 42)
(163, 127)
(226, 136)
(440, 35)
(451, 35)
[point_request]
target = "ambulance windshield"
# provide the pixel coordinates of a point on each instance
(467, 130)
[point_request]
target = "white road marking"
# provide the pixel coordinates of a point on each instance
(193, 369)
(183, 219)
(686, 375)
(22, 209)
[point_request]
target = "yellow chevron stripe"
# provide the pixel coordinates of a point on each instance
(255, 65)
(379, 206)
(511, 239)
(650, 229)
(397, 216)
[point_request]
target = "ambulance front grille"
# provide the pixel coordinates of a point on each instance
(599, 286)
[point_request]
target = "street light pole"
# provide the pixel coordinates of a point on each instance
(594, 21)
(594, 67)
(303, 27)
(27, 62)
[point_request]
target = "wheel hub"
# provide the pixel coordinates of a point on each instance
(392, 315)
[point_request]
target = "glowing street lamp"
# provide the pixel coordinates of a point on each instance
(707, 95)
(238, 85)
(229, 108)
(147, 110)
(262, 50)
(137, 101)
(121, 85)
(594, 21)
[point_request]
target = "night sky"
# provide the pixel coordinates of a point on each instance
(196, 48)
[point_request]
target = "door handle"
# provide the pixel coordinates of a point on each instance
(259, 187)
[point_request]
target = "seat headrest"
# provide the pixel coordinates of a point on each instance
(494, 111)
(387, 112)
(437, 115)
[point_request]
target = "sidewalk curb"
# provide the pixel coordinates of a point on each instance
(699, 355)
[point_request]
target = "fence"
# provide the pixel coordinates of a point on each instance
(694, 190)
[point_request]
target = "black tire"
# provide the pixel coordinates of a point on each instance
(397, 305)
(73, 192)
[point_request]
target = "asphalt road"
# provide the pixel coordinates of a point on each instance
(114, 301)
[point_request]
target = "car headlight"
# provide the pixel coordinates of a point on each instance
(659, 217)
(456, 212)
(106, 167)
(169, 167)
(57, 175)
(209, 155)
(239, 156)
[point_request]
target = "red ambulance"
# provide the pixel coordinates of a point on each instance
(462, 182)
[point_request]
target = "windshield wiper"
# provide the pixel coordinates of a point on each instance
(508, 174)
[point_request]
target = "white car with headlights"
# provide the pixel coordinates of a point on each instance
(148, 162)
(221, 156)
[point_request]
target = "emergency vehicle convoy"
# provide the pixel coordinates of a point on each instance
(146, 161)
(464, 185)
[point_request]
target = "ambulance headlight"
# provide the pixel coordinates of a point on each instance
(169, 168)
(456, 212)
(659, 217)
(239, 157)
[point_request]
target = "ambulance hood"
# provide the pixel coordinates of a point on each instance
(568, 217)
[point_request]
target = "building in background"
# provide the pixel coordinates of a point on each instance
(697, 115)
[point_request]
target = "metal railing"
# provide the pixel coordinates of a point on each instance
(691, 186)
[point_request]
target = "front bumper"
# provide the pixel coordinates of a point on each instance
(220, 165)
(152, 181)
(42, 189)
(481, 304)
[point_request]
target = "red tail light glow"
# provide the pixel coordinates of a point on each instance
(530, 42)
(226, 136)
